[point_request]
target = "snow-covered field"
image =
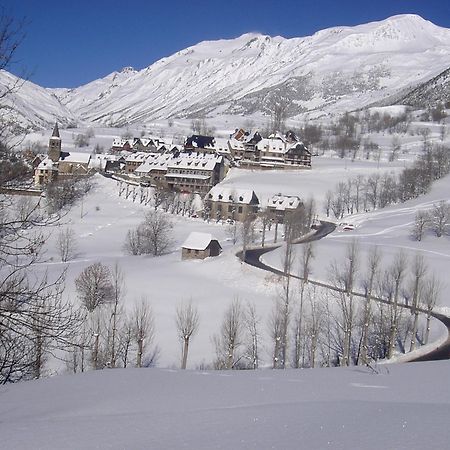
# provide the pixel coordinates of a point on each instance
(395, 406)
(402, 407)
(102, 220)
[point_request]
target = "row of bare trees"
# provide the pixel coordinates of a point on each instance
(378, 191)
(365, 312)
(356, 317)
(437, 220)
(35, 319)
(160, 198)
(110, 335)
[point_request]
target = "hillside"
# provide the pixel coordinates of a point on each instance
(403, 407)
(429, 93)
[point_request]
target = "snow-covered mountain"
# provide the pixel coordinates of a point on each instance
(431, 92)
(31, 106)
(334, 70)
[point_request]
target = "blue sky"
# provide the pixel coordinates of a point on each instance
(69, 43)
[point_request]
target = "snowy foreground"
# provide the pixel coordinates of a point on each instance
(400, 407)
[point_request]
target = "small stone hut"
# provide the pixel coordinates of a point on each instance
(200, 246)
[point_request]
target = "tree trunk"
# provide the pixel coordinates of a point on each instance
(185, 353)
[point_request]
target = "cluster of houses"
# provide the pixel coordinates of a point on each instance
(244, 148)
(203, 161)
(227, 203)
(197, 167)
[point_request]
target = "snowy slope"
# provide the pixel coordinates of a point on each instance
(403, 407)
(35, 107)
(334, 70)
(338, 68)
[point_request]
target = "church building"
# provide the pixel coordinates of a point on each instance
(60, 164)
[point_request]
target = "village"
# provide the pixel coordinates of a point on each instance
(153, 169)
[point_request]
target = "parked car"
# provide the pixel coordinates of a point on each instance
(348, 227)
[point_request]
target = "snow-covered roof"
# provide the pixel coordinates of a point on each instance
(155, 161)
(236, 145)
(46, 164)
(198, 241)
(200, 161)
(283, 202)
(271, 145)
(99, 160)
(137, 157)
(298, 146)
(231, 194)
(278, 136)
(120, 142)
(75, 157)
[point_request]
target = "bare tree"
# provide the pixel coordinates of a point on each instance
(11, 37)
(276, 334)
(252, 322)
(279, 107)
(369, 283)
(94, 286)
(419, 270)
(305, 270)
(125, 340)
(440, 217)
(187, 326)
(66, 243)
(421, 221)
(266, 218)
(246, 233)
(118, 291)
(329, 198)
(34, 318)
(430, 294)
(279, 324)
(343, 277)
(394, 278)
(143, 329)
(314, 325)
(133, 244)
(229, 340)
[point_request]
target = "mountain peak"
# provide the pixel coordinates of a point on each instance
(128, 69)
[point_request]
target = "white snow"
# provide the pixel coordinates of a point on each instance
(402, 407)
(198, 241)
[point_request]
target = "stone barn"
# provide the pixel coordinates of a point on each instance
(200, 246)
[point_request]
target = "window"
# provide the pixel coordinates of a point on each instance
(240, 210)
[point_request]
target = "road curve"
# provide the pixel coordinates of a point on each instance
(253, 258)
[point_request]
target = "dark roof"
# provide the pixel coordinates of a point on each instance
(299, 147)
(255, 138)
(199, 141)
(291, 136)
(55, 130)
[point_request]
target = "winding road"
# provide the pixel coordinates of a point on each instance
(253, 258)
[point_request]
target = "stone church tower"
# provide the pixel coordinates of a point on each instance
(54, 145)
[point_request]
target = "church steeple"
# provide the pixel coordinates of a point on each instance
(54, 145)
(56, 131)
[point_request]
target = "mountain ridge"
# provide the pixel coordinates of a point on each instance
(334, 70)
